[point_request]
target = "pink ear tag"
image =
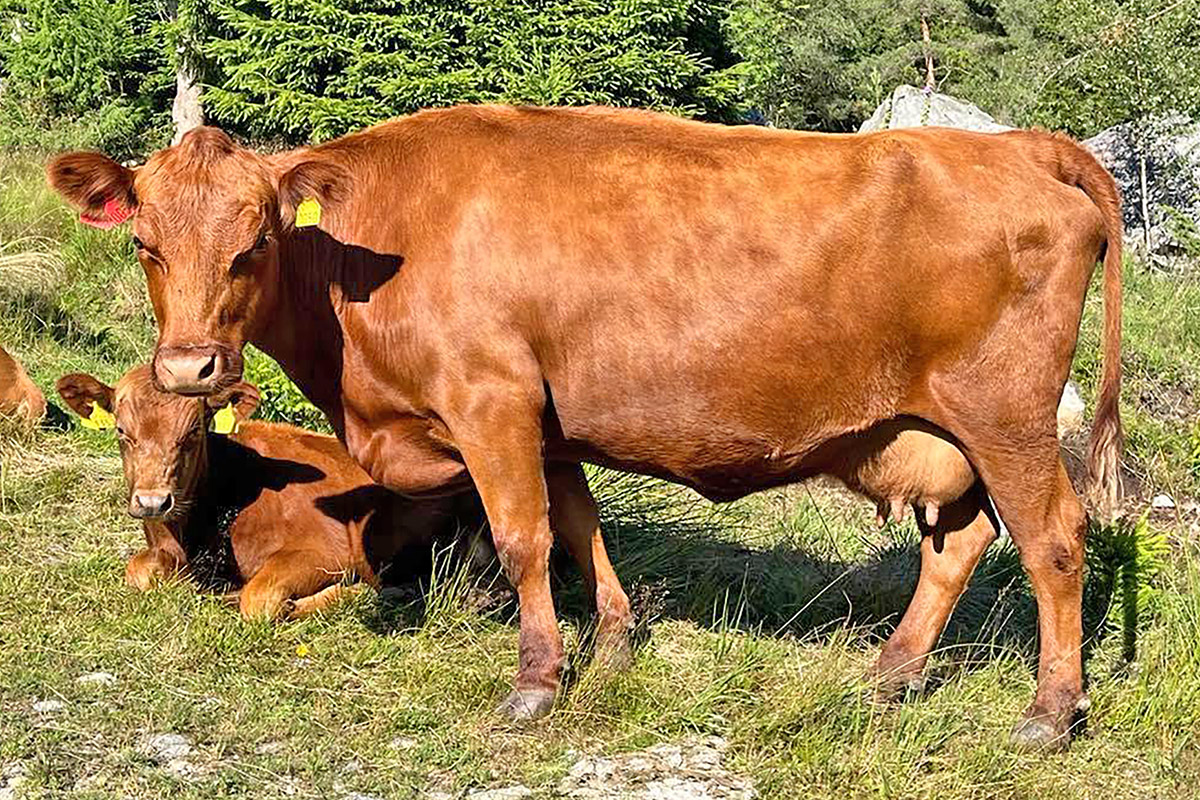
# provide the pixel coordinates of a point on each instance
(114, 214)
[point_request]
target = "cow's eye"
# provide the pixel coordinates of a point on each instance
(261, 244)
(138, 244)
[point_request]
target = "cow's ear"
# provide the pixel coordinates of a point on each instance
(99, 187)
(243, 397)
(84, 394)
(310, 189)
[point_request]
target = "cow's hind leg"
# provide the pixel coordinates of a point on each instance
(1028, 484)
(311, 604)
(950, 550)
(283, 576)
(576, 522)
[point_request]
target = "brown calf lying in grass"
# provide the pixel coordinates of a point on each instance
(283, 512)
(19, 397)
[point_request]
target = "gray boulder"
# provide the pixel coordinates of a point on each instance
(910, 107)
(1171, 146)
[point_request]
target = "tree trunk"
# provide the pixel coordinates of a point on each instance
(186, 112)
(927, 40)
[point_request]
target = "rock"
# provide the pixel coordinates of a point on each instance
(181, 768)
(507, 793)
(1162, 502)
(165, 747)
(97, 679)
(404, 743)
(11, 779)
(910, 107)
(1171, 146)
(48, 706)
(689, 770)
(269, 748)
(1070, 411)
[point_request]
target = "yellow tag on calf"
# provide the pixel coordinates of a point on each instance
(225, 421)
(308, 213)
(100, 419)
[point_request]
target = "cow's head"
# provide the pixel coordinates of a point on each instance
(207, 217)
(162, 436)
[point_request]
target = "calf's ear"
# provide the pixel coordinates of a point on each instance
(99, 187)
(311, 189)
(242, 396)
(84, 394)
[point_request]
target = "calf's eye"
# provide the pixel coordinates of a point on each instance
(138, 244)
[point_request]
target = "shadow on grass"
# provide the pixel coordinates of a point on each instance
(680, 557)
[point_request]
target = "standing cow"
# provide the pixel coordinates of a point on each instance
(496, 294)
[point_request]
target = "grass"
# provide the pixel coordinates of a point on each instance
(758, 618)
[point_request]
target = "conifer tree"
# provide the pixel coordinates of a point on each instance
(306, 70)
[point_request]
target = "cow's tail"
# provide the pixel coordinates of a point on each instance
(1080, 168)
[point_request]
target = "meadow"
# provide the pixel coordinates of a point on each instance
(757, 620)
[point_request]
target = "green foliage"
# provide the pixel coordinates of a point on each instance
(312, 70)
(1125, 562)
(829, 64)
(64, 59)
(1072, 64)
(1084, 66)
(280, 400)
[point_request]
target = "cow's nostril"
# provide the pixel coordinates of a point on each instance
(167, 504)
(209, 367)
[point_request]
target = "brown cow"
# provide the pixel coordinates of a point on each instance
(506, 292)
(19, 396)
(282, 512)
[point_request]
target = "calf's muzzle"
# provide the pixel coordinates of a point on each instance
(150, 505)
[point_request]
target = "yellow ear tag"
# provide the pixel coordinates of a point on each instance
(99, 419)
(308, 213)
(225, 421)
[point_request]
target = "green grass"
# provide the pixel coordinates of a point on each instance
(758, 619)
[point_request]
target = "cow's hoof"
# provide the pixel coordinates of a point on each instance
(1040, 733)
(527, 704)
(896, 686)
(614, 654)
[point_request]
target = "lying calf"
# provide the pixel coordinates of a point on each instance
(19, 396)
(282, 512)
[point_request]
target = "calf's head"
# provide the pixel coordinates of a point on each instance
(207, 217)
(162, 436)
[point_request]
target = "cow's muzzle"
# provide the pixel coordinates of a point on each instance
(196, 370)
(151, 505)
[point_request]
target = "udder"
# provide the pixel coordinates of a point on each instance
(902, 463)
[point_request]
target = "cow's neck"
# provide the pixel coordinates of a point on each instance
(305, 333)
(205, 531)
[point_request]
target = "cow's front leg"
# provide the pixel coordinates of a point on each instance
(503, 453)
(163, 558)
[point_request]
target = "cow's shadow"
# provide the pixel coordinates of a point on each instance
(687, 560)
